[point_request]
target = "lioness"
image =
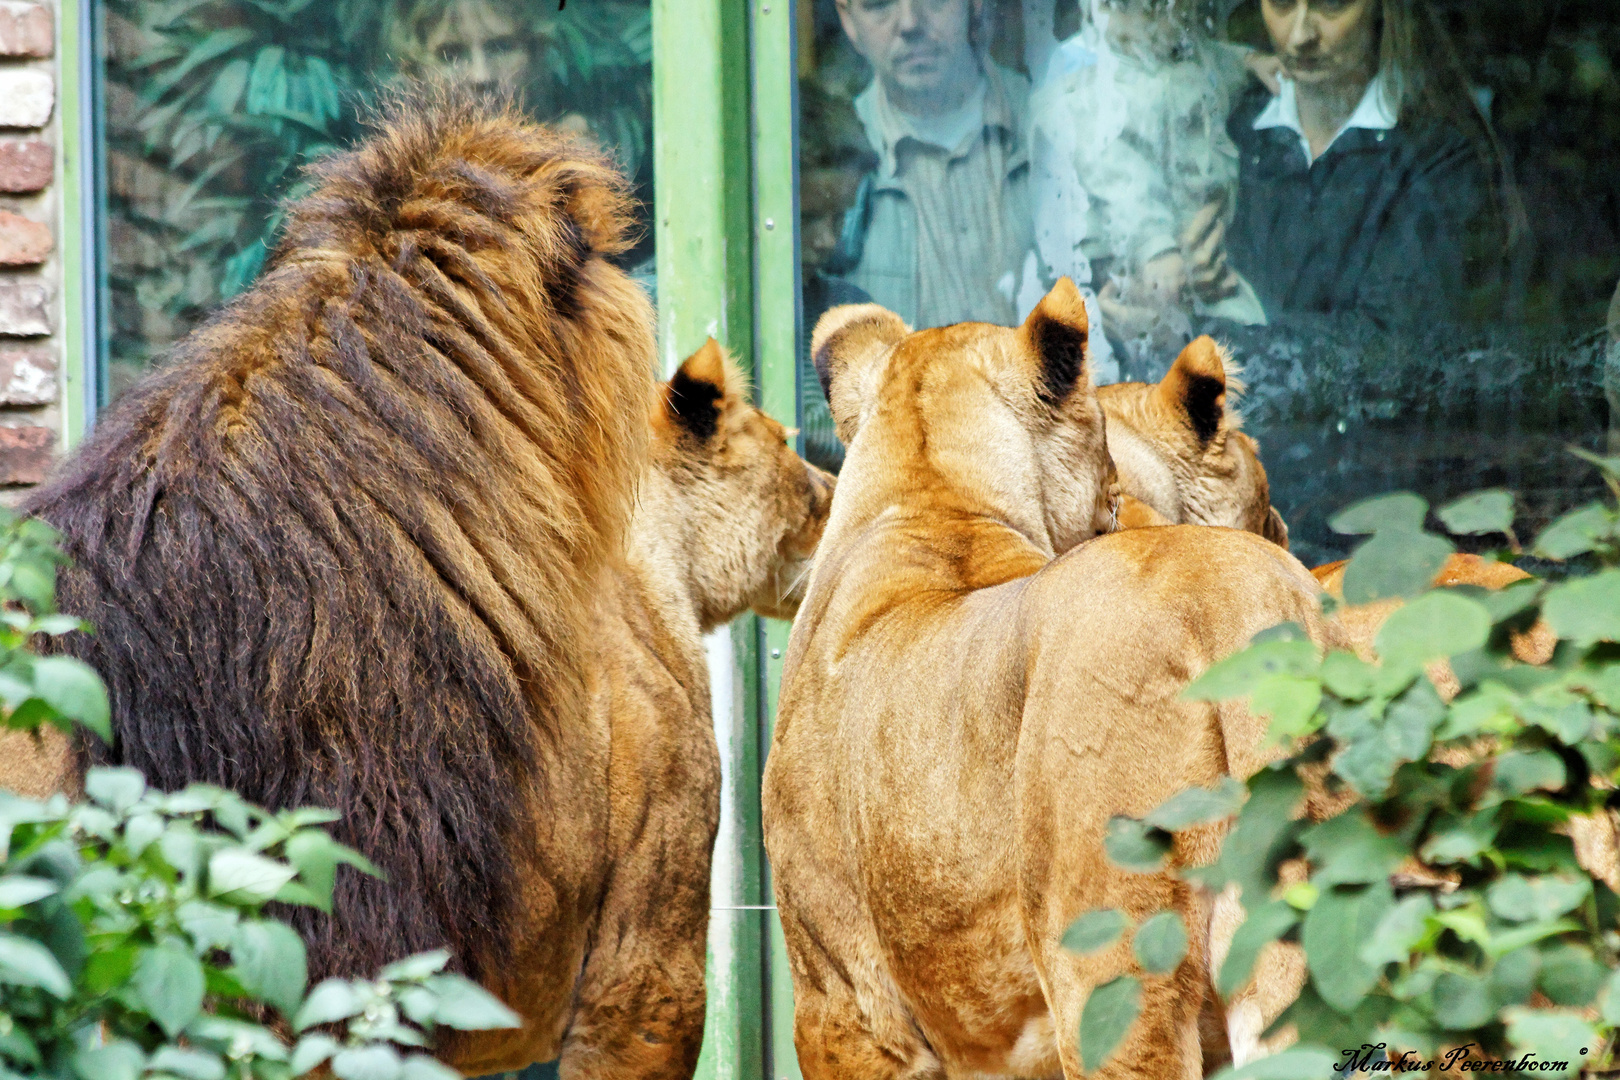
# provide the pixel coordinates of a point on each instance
(1180, 454)
(971, 691)
(409, 530)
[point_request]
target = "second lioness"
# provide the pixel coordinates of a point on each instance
(971, 692)
(1181, 456)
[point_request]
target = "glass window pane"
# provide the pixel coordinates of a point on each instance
(210, 109)
(1402, 216)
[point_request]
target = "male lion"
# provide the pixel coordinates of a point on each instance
(1180, 454)
(971, 692)
(367, 543)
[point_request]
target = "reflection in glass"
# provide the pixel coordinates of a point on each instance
(211, 109)
(1402, 215)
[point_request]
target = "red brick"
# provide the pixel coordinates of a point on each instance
(25, 454)
(25, 29)
(23, 242)
(26, 165)
(24, 308)
(27, 375)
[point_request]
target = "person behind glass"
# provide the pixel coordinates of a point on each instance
(1366, 174)
(940, 230)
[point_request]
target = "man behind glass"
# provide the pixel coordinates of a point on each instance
(940, 230)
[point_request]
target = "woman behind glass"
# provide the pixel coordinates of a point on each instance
(1366, 179)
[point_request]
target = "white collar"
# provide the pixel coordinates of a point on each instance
(1375, 112)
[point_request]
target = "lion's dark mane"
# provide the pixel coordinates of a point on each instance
(337, 552)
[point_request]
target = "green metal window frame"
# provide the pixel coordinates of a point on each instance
(726, 220)
(726, 225)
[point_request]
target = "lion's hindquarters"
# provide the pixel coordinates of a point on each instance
(1117, 629)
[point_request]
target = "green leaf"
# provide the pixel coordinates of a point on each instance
(367, 1063)
(1398, 932)
(25, 962)
(1521, 899)
(1569, 974)
(191, 1064)
(72, 688)
(1460, 839)
(1576, 533)
(169, 984)
(422, 1067)
(1198, 806)
(1462, 1002)
(1519, 772)
(1239, 674)
(1133, 845)
(1513, 977)
(420, 966)
(120, 1059)
(1435, 625)
(1480, 513)
(1265, 924)
(1550, 1035)
(1347, 675)
(466, 1006)
(1295, 1063)
(270, 963)
(1264, 831)
(1348, 850)
(1109, 1013)
(241, 876)
(1094, 930)
(1611, 1001)
(317, 856)
(1585, 609)
(311, 1051)
(1335, 928)
(1400, 512)
(1160, 943)
(330, 1001)
(20, 890)
(1289, 702)
(116, 789)
(1394, 563)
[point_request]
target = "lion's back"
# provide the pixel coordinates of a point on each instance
(339, 551)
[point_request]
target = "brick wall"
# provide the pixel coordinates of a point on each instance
(31, 312)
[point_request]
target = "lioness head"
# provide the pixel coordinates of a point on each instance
(1180, 452)
(748, 509)
(975, 419)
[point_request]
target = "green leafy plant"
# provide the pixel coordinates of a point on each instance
(1444, 910)
(134, 939)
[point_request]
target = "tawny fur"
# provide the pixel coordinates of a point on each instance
(971, 690)
(365, 543)
(1181, 456)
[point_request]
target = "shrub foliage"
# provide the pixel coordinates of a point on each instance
(1443, 907)
(134, 934)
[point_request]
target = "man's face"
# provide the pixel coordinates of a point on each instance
(914, 46)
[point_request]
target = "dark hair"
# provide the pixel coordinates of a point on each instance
(1423, 74)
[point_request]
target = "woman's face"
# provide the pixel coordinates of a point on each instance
(478, 43)
(1324, 41)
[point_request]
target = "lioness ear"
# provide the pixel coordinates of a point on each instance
(701, 391)
(1195, 388)
(1056, 332)
(1276, 529)
(848, 344)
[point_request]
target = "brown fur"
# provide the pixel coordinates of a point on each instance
(357, 546)
(1181, 456)
(971, 691)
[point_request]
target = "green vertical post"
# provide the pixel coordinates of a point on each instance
(703, 224)
(776, 319)
(75, 174)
